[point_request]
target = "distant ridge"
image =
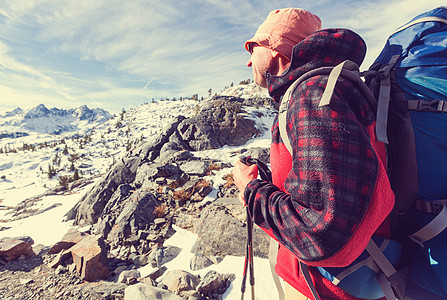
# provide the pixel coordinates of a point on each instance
(40, 119)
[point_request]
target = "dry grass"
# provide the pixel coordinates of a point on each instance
(160, 211)
(229, 180)
(182, 195)
(200, 184)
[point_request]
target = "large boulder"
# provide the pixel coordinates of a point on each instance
(13, 248)
(220, 122)
(221, 231)
(90, 258)
(70, 239)
(141, 291)
(151, 150)
(179, 281)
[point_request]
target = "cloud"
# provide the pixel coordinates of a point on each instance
(108, 51)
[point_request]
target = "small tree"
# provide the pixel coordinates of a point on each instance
(76, 175)
(51, 172)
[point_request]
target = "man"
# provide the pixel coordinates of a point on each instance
(322, 205)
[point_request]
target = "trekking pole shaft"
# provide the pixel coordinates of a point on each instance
(250, 253)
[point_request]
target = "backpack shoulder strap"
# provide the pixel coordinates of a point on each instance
(346, 69)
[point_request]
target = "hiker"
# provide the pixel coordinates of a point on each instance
(332, 193)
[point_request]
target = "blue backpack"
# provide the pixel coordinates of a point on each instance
(407, 87)
(409, 81)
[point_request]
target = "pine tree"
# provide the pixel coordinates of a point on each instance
(76, 175)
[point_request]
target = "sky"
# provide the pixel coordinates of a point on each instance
(120, 54)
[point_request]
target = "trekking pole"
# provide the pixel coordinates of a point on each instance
(244, 278)
(250, 254)
(249, 260)
(266, 175)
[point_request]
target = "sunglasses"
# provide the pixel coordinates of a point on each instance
(251, 47)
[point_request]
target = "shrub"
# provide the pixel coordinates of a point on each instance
(229, 180)
(160, 211)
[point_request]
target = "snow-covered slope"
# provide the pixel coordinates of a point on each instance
(29, 158)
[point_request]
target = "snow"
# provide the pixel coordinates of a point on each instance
(24, 174)
(46, 228)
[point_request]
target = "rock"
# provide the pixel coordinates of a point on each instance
(199, 261)
(191, 295)
(90, 257)
(157, 273)
(219, 123)
(228, 235)
(136, 213)
(154, 171)
(211, 283)
(166, 254)
(151, 150)
(159, 221)
(90, 207)
(40, 249)
(61, 270)
(178, 281)
(11, 249)
(185, 221)
(140, 260)
(72, 237)
(24, 238)
(61, 258)
(180, 156)
(125, 275)
(147, 280)
(141, 291)
(102, 290)
(195, 167)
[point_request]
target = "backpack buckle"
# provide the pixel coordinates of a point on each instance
(429, 206)
(431, 105)
(385, 70)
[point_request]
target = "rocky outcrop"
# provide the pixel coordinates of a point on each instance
(163, 171)
(219, 123)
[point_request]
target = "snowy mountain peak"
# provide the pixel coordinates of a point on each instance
(37, 112)
(87, 114)
(40, 119)
(15, 112)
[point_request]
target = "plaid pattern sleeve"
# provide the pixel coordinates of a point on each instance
(333, 174)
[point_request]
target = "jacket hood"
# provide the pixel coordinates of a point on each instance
(324, 48)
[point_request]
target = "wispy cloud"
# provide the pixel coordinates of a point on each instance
(119, 53)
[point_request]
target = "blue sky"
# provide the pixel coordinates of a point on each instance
(118, 54)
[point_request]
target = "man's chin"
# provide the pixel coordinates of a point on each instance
(262, 83)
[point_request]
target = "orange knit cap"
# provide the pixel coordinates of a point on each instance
(284, 28)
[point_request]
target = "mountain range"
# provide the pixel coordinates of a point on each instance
(40, 119)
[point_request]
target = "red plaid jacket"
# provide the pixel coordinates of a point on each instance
(332, 194)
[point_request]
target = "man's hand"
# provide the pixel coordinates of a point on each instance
(242, 175)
